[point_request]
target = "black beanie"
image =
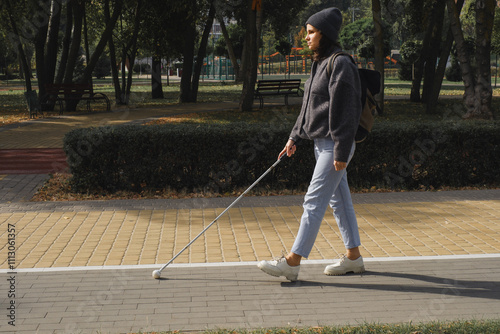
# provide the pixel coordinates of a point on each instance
(328, 21)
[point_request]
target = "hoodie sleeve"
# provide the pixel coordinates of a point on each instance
(345, 106)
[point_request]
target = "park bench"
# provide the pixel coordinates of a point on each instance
(59, 93)
(284, 87)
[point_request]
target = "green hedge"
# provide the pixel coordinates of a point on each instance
(212, 158)
(221, 158)
(409, 156)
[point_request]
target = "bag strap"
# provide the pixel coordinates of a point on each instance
(329, 69)
(329, 66)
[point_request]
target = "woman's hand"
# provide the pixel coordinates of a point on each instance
(339, 165)
(289, 149)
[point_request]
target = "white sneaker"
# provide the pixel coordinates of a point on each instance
(280, 268)
(345, 266)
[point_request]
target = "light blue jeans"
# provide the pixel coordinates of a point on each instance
(327, 186)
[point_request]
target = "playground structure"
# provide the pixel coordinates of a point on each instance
(276, 64)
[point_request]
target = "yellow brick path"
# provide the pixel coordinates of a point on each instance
(122, 237)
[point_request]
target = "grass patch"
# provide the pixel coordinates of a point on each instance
(445, 327)
(14, 105)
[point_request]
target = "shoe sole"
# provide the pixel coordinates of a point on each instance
(276, 275)
(357, 271)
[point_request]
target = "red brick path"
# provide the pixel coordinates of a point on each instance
(32, 161)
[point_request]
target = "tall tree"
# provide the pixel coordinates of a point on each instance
(160, 36)
(189, 13)
(15, 39)
(281, 13)
(434, 91)
(234, 13)
(66, 43)
(202, 50)
(495, 40)
(104, 37)
(378, 36)
(53, 40)
(430, 44)
(229, 46)
(434, 47)
(127, 47)
(250, 54)
(39, 22)
(195, 12)
(478, 92)
(76, 39)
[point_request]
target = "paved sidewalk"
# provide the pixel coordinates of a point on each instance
(240, 296)
(85, 267)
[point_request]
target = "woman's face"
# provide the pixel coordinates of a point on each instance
(313, 36)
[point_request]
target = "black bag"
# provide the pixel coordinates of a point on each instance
(370, 86)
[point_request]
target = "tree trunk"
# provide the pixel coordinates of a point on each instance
(40, 38)
(250, 59)
(86, 38)
(74, 50)
(16, 41)
(230, 49)
(463, 58)
(66, 43)
(186, 94)
(433, 95)
(202, 51)
(156, 84)
(110, 23)
(76, 40)
(424, 54)
(114, 70)
(485, 11)
(112, 56)
(434, 47)
(133, 49)
(124, 61)
(434, 92)
(53, 41)
(379, 48)
(105, 37)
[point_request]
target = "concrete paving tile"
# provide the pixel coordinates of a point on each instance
(402, 232)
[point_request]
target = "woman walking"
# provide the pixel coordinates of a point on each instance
(329, 116)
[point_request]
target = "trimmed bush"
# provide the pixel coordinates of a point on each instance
(213, 158)
(411, 155)
(221, 158)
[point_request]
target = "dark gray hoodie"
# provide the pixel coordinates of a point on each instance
(331, 106)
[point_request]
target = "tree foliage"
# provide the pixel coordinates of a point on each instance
(237, 36)
(287, 18)
(409, 52)
(495, 38)
(358, 36)
(65, 40)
